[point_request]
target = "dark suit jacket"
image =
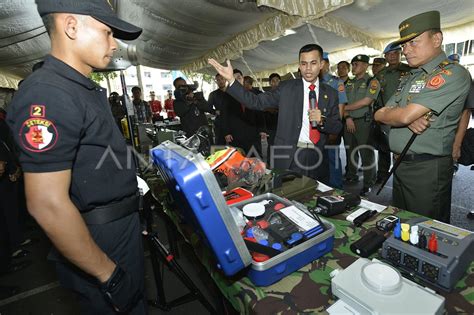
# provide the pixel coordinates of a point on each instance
(288, 98)
(191, 113)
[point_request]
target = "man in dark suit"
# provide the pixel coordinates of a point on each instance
(240, 128)
(298, 145)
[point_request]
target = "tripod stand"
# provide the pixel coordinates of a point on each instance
(160, 255)
(159, 251)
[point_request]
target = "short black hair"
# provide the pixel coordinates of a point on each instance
(273, 75)
(176, 80)
(48, 21)
(135, 88)
(311, 47)
(238, 71)
(217, 74)
(347, 64)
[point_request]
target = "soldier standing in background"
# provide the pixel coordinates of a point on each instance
(378, 65)
(361, 93)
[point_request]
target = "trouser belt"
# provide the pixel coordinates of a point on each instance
(418, 157)
(111, 212)
(305, 145)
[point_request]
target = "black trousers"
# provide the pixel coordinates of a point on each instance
(312, 162)
(12, 233)
(121, 240)
(5, 252)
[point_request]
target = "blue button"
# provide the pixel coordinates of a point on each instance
(277, 246)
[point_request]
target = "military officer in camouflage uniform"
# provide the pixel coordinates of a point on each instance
(423, 181)
(361, 93)
(389, 79)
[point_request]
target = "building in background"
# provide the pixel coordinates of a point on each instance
(157, 80)
(149, 79)
(464, 48)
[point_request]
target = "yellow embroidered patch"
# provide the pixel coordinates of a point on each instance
(374, 84)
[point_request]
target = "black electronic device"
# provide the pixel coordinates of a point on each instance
(282, 232)
(364, 217)
(368, 244)
(386, 224)
(333, 205)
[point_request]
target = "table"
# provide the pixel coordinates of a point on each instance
(307, 290)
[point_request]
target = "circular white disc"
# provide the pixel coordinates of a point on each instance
(253, 210)
(381, 278)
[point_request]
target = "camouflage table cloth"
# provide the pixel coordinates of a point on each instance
(308, 290)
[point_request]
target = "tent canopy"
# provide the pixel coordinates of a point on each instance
(260, 36)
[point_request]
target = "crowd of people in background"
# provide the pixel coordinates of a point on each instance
(360, 94)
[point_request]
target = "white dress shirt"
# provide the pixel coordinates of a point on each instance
(304, 133)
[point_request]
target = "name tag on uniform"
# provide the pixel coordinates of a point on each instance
(417, 86)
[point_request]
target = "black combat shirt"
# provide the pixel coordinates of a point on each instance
(62, 120)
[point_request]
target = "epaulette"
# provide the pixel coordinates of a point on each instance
(442, 65)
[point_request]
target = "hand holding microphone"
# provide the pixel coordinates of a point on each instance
(313, 109)
(315, 117)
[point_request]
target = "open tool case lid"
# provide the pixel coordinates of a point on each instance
(199, 199)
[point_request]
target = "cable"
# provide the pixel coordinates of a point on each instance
(251, 72)
(313, 35)
(23, 40)
(17, 34)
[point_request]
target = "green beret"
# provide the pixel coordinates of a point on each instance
(416, 25)
(363, 58)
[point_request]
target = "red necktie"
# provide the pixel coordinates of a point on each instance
(314, 134)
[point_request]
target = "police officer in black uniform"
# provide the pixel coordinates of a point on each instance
(79, 185)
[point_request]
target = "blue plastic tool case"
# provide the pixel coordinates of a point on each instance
(200, 202)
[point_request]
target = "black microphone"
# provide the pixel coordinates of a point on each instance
(312, 103)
